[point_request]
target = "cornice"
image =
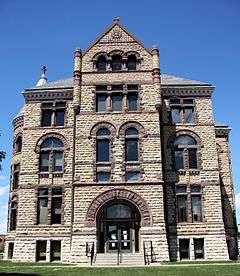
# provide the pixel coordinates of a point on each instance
(187, 90)
(222, 131)
(47, 94)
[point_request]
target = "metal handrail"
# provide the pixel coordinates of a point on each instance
(145, 252)
(90, 250)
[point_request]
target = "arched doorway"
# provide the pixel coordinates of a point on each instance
(118, 224)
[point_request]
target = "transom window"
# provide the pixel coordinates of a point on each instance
(53, 114)
(51, 155)
(185, 151)
(182, 110)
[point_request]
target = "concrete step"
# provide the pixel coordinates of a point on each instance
(112, 259)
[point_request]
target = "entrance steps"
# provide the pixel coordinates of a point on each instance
(125, 259)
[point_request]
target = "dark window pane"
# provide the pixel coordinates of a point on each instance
(101, 64)
(47, 117)
(131, 131)
(179, 159)
(132, 150)
(196, 189)
(117, 102)
(131, 63)
(181, 189)
(57, 191)
(101, 102)
(132, 101)
(46, 105)
(59, 117)
(174, 101)
(196, 208)
(133, 176)
(44, 162)
(198, 248)
(119, 211)
(117, 87)
(56, 213)
(15, 179)
(116, 63)
(18, 145)
(42, 210)
(52, 143)
(192, 158)
(103, 151)
(41, 248)
(103, 176)
(188, 101)
(184, 248)
(101, 88)
(182, 208)
(57, 161)
(60, 104)
(132, 87)
(103, 132)
(55, 251)
(184, 140)
(188, 115)
(10, 250)
(43, 192)
(175, 115)
(13, 217)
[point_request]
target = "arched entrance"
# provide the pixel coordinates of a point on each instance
(118, 224)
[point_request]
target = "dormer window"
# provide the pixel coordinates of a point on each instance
(116, 63)
(101, 64)
(131, 63)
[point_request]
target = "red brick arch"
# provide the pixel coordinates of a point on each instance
(118, 194)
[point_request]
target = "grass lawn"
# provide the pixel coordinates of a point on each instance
(222, 269)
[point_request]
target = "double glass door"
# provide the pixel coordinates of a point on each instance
(119, 237)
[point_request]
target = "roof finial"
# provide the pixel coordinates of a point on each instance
(116, 19)
(43, 78)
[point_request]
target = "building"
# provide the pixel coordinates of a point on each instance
(120, 159)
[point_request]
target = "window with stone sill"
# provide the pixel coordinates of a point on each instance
(131, 145)
(51, 156)
(182, 111)
(49, 205)
(13, 214)
(185, 153)
(53, 114)
(15, 176)
(133, 176)
(189, 203)
(103, 176)
(103, 146)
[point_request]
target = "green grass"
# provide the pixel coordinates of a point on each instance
(21, 269)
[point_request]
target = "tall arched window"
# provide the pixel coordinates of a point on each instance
(131, 145)
(131, 63)
(101, 63)
(116, 63)
(51, 155)
(18, 144)
(103, 145)
(185, 151)
(13, 214)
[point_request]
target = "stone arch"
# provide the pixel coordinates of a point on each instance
(99, 54)
(132, 53)
(49, 135)
(118, 194)
(116, 52)
(126, 125)
(102, 124)
(174, 135)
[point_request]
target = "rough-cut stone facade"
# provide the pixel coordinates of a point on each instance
(154, 193)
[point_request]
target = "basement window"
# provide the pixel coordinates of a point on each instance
(55, 251)
(184, 249)
(41, 249)
(198, 248)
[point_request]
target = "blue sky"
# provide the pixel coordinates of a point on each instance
(197, 40)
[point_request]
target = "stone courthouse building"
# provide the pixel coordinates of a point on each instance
(120, 164)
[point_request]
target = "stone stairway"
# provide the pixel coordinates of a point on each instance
(125, 259)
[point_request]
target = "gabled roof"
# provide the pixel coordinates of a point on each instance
(168, 80)
(118, 26)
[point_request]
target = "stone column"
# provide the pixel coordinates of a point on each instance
(77, 78)
(156, 73)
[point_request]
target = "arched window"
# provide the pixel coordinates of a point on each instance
(131, 63)
(103, 145)
(51, 155)
(13, 214)
(185, 151)
(131, 145)
(116, 63)
(18, 144)
(101, 63)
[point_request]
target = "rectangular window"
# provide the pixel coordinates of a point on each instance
(182, 208)
(103, 151)
(42, 217)
(192, 155)
(184, 249)
(132, 100)
(101, 102)
(53, 114)
(175, 115)
(59, 117)
(196, 208)
(103, 176)
(131, 150)
(188, 114)
(41, 249)
(133, 176)
(198, 248)
(10, 250)
(55, 251)
(117, 102)
(179, 159)
(56, 210)
(13, 216)
(47, 117)
(58, 161)
(16, 172)
(44, 162)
